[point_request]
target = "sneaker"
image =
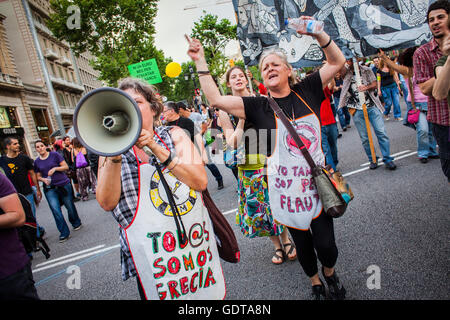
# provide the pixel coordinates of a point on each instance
(344, 129)
(335, 288)
(220, 185)
(390, 165)
(386, 117)
(349, 126)
(398, 119)
(63, 239)
(318, 292)
(423, 160)
(78, 228)
(373, 165)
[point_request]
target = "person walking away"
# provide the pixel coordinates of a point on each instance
(85, 175)
(72, 172)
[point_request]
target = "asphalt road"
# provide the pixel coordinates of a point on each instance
(393, 240)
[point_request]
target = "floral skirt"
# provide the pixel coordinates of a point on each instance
(254, 216)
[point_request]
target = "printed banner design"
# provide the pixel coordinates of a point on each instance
(359, 26)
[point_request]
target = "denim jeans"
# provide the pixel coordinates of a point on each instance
(391, 97)
(377, 122)
(329, 144)
(344, 117)
(56, 197)
(426, 144)
(442, 136)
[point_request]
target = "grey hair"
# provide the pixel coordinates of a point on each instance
(146, 90)
(280, 53)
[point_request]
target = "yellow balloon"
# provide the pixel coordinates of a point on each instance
(173, 69)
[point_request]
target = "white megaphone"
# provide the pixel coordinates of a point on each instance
(107, 121)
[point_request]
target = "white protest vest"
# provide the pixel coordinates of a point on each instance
(293, 196)
(165, 270)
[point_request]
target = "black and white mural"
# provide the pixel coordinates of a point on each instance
(358, 27)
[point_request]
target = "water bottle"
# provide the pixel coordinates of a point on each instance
(309, 26)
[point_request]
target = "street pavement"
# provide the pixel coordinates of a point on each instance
(393, 240)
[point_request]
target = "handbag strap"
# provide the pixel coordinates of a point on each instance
(288, 125)
(411, 92)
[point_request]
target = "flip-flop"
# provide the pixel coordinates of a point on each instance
(290, 251)
(278, 257)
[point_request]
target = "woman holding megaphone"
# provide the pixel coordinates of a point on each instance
(166, 265)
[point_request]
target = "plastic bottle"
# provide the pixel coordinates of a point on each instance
(309, 26)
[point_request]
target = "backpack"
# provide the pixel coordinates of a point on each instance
(80, 160)
(28, 232)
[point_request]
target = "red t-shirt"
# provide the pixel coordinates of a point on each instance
(262, 89)
(326, 113)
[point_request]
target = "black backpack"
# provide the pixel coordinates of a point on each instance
(28, 232)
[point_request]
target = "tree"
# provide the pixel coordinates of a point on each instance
(214, 36)
(118, 33)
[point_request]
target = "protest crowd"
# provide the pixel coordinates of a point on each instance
(184, 139)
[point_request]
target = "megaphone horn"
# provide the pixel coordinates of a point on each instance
(107, 121)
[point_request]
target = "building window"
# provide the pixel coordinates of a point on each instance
(61, 99)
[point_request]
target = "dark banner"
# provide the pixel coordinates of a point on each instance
(358, 27)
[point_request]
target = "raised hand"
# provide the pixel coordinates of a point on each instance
(195, 50)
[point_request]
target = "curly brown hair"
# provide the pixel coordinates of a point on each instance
(147, 91)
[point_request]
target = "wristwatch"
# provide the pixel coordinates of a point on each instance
(168, 160)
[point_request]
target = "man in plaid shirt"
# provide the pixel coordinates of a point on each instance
(425, 59)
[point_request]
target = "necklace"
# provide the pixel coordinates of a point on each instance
(289, 103)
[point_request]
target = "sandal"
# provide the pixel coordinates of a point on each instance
(290, 251)
(278, 258)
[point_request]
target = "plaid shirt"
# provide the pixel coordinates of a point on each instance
(425, 59)
(126, 208)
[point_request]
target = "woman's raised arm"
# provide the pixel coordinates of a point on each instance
(229, 104)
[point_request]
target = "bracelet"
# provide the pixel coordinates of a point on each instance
(168, 160)
(176, 160)
(328, 43)
(203, 73)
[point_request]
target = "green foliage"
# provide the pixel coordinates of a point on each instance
(118, 33)
(214, 36)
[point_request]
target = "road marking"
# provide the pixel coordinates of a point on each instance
(392, 155)
(69, 256)
(367, 168)
(75, 258)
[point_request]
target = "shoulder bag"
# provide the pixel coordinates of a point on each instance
(334, 192)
